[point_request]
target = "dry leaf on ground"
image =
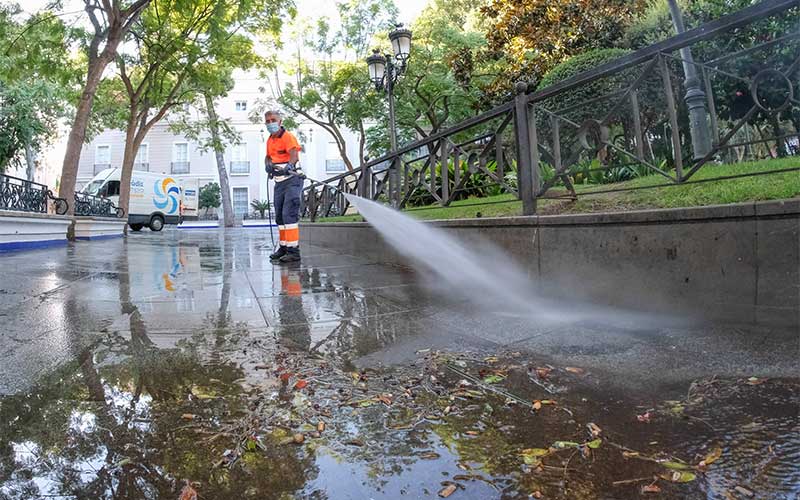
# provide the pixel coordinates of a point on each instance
(448, 490)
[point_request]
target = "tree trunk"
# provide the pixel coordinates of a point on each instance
(128, 158)
(30, 159)
(225, 188)
(69, 170)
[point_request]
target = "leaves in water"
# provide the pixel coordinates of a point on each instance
(493, 378)
(543, 372)
(560, 445)
(711, 457)
(594, 444)
(575, 370)
(651, 488)
(675, 465)
(756, 381)
(187, 416)
(680, 477)
(537, 405)
(188, 493)
(300, 384)
(429, 455)
(448, 490)
(530, 455)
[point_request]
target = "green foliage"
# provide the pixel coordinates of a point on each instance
(209, 196)
(260, 206)
(28, 113)
(579, 64)
(34, 92)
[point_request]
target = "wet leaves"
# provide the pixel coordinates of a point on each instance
(756, 381)
(448, 490)
(680, 476)
(188, 416)
(711, 457)
(429, 455)
(188, 493)
(493, 379)
(300, 384)
(651, 488)
(594, 429)
(644, 418)
(575, 370)
(531, 456)
(594, 444)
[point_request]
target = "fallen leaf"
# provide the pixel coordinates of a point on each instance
(491, 359)
(711, 457)
(537, 494)
(188, 493)
(385, 399)
(549, 402)
(756, 381)
(744, 491)
(594, 429)
(298, 438)
(300, 384)
(493, 378)
(651, 488)
(543, 372)
(675, 465)
(594, 444)
(355, 442)
(187, 416)
(630, 454)
(429, 455)
(537, 405)
(448, 490)
(576, 371)
(560, 445)
(320, 426)
(680, 477)
(530, 455)
(645, 417)
(285, 377)
(473, 433)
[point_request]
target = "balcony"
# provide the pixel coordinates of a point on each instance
(99, 167)
(179, 167)
(141, 167)
(240, 167)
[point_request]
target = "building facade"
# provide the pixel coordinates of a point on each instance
(162, 151)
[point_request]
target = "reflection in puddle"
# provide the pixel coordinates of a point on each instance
(242, 417)
(242, 382)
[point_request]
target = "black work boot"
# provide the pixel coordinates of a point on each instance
(280, 252)
(292, 255)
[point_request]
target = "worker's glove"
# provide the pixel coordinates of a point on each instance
(269, 167)
(296, 170)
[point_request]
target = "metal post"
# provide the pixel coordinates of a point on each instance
(394, 177)
(524, 148)
(695, 97)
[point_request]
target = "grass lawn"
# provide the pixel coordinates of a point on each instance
(764, 187)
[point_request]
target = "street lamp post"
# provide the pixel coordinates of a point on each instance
(695, 97)
(385, 71)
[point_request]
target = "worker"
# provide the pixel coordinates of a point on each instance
(282, 165)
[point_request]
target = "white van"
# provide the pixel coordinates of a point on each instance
(156, 199)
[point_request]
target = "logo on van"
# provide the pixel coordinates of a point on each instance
(166, 193)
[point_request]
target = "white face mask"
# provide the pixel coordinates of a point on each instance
(273, 127)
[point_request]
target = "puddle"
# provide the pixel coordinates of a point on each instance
(241, 414)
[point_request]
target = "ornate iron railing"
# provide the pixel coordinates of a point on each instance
(638, 114)
(27, 196)
(90, 205)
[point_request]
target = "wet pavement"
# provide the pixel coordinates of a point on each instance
(133, 368)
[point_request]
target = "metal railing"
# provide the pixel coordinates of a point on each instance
(27, 196)
(179, 167)
(97, 206)
(629, 115)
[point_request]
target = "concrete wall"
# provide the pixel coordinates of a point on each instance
(733, 263)
(23, 230)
